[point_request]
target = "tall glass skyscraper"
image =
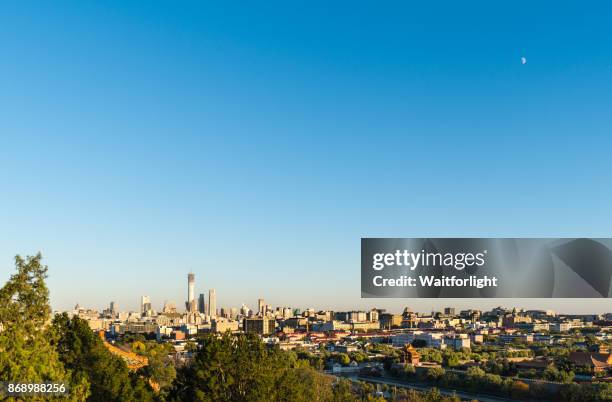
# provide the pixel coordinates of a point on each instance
(202, 303)
(190, 304)
(212, 303)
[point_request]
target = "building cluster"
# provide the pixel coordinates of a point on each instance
(345, 331)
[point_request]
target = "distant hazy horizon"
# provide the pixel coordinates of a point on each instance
(257, 143)
(127, 302)
(99, 295)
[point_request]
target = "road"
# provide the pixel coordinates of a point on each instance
(425, 388)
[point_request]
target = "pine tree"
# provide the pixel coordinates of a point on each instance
(27, 351)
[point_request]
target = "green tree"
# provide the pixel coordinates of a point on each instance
(242, 368)
(431, 355)
(160, 368)
(83, 352)
(434, 395)
(452, 360)
(435, 373)
(587, 392)
(475, 377)
(191, 346)
(303, 384)
(344, 359)
(342, 391)
(27, 352)
(358, 357)
(409, 370)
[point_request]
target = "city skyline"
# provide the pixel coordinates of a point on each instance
(591, 306)
(562, 306)
(257, 144)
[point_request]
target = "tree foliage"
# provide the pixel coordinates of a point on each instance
(160, 368)
(232, 367)
(241, 368)
(27, 351)
(83, 352)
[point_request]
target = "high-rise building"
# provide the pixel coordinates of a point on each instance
(357, 316)
(245, 310)
(190, 303)
(169, 307)
(259, 325)
(288, 312)
(449, 311)
(145, 304)
(261, 307)
(113, 308)
(390, 321)
(212, 303)
(202, 303)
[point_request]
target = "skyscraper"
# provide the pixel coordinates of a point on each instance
(212, 303)
(169, 307)
(261, 307)
(202, 303)
(145, 304)
(190, 304)
(245, 310)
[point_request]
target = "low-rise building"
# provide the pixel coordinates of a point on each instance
(509, 338)
(560, 326)
(224, 325)
(597, 362)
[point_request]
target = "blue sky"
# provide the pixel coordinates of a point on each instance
(255, 144)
